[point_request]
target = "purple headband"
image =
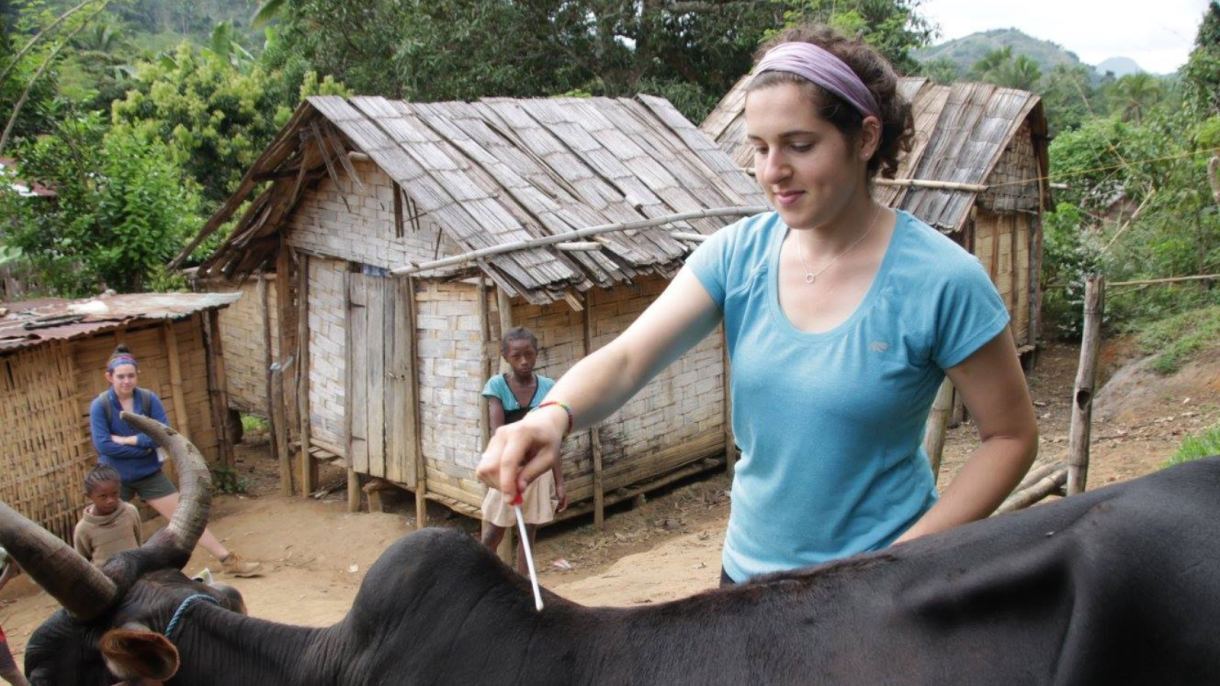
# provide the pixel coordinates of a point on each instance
(121, 359)
(822, 68)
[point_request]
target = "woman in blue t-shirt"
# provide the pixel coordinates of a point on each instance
(842, 317)
(510, 397)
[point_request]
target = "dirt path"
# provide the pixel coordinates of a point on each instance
(316, 554)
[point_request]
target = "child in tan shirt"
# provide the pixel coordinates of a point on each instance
(109, 526)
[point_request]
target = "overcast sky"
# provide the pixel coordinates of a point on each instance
(1158, 35)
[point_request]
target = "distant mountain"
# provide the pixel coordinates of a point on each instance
(1119, 66)
(965, 51)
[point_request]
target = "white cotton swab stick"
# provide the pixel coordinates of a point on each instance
(529, 555)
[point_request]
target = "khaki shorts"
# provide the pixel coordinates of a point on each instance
(540, 501)
(149, 488)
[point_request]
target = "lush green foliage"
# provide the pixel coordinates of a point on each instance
(121, 213)
(215, 110)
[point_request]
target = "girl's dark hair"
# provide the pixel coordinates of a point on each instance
(100, 475)
(897, 122)
(517, 333)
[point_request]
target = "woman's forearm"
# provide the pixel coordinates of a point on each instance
(986, 479)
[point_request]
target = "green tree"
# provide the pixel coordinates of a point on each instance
(215, 112)
(1201, 73)
(690, 51)
(1133, 95)
(941, 70)
(123, 209)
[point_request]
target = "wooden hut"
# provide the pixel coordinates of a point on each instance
(977, 172)
(54, 353)
(405, 237)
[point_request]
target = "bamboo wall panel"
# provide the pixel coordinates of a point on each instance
(43, 466)
(366, 233)
(449, 364)
(994, 243)
(327, 350)
(241, 332)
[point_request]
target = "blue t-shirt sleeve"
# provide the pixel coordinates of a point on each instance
(496, 388)
(710, 263)
(969, 314)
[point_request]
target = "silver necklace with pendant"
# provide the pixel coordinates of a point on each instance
(812, 276)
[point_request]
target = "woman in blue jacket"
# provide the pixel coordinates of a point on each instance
(136, 456)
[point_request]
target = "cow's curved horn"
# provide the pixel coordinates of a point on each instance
(194, 480)
(82, 589)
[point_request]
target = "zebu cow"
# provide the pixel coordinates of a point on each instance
(1117, 586)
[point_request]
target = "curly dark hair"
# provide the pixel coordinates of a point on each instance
(518, 333)
(897, 122)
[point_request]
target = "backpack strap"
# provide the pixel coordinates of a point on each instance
(144, 403)
(104, 399)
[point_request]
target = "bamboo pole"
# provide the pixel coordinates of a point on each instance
(218, 388)
(1173, 279)
(309, 466)
(1036, 492)
(595, 437)
(938, 423)
(182, 421)
(421, 467)
(504, 309)
(486, 359)
(287, 334)
(576, 235)
(353, 479)
(273, 380)
(579, 246)
(1039, 473)
(1086, 376)
(280, 431)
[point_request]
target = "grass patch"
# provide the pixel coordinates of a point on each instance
(1178, 339)
(253, 425)
(1194, 447)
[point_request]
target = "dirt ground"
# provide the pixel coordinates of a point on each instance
(316, 554)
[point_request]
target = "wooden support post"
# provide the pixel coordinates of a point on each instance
(274, 398)
(1086, 377)
(182, 421)
(487, 359)
(421, 474)
(218, 389)
(938, 423)
(373, 491)
(353, 479)
(287, 332)
(309, 466)
(730, 443)
(504, 308)
(595, 437)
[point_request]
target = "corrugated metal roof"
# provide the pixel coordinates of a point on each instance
(498, 171)
(961, 131)
(34, 322)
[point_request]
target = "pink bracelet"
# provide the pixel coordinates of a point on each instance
(560, 403)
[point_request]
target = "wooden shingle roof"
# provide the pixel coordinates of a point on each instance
(499, 171)
(961, 131)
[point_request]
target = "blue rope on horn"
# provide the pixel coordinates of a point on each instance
(191, 600)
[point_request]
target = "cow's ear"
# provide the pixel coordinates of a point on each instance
(138, 653)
